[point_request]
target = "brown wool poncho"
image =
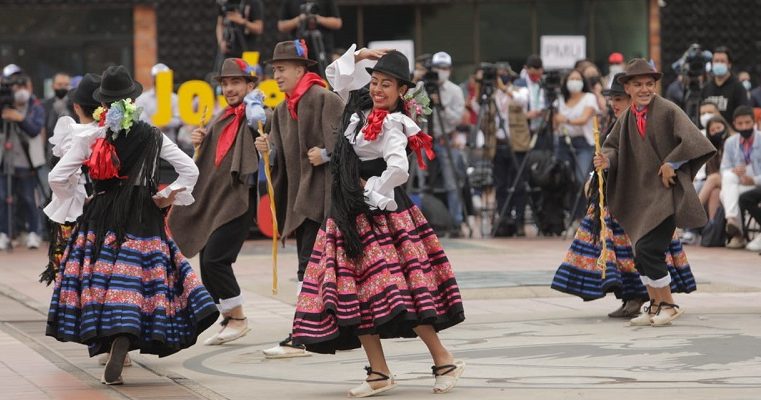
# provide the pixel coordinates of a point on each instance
(221, 194)
(636, 196)
(301, 190)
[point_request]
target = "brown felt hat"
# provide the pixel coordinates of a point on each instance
(235, 67)
(292, 50)
(638, 67)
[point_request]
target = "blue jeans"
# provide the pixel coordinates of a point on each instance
(24, 184)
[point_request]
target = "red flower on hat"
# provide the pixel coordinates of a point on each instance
(241, 64)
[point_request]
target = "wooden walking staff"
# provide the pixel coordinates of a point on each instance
(602, 261)
(204, 121)
(271, 193)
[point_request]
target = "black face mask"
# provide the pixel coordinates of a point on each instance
(61, 93)
(746, 133)
(717, 138)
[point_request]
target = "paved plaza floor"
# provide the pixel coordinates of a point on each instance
(521, 339)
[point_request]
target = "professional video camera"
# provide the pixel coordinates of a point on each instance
(692, 68)
(488, 79)
(551, 83)
(229, 6)
(6, 95)
(693, 61)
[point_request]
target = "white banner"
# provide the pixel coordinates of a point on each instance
(561, 52)
(406, 47)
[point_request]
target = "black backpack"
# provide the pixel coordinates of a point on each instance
(714, 233)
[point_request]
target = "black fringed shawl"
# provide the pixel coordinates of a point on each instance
(348, 198)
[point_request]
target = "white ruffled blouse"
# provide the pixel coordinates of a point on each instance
(72, 142)
(345, 76)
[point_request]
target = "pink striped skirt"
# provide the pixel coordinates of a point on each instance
(402, 279)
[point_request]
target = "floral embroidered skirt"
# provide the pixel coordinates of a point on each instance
(144, 289)
(578, 274)
(402, 280)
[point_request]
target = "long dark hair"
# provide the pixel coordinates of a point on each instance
(348, 195)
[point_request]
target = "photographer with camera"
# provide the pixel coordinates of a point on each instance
(313, 21)
(531, 78)
(724, 89)
(448, 104)
(238, 25)
(513, 140)
(22, 152)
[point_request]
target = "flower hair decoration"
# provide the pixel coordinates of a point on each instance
(417, 104)
(118, 117)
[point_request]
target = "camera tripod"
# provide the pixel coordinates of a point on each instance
(438, 108)
(311, 34)
(539, 139)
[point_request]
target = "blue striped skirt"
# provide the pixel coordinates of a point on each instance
(144, 289)
(579, 275)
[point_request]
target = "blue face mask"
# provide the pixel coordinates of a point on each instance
(720, 69)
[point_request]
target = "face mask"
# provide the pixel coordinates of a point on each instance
(716, 138)
(746, 133)
(616, 69)
(574, 86)
(444, 76)
(720, 69)
(746, 85)
(61, 93)
(535, 77)
(21, 96)
(704, 119)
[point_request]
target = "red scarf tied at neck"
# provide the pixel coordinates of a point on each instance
(641, 119)
(306, 82)
(103, 163)
(229, 132)
(374, 124)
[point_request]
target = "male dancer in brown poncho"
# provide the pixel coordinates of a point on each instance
(217, 224)
(302, 136)
(653, 154)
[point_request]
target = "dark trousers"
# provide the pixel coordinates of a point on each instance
(749, 203)
(650, 250)
(306, 234)
(222, 250)
(505, 174)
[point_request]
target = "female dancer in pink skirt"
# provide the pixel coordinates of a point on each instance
(377, 269)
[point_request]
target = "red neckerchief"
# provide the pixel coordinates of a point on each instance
(374, 124)
(306, 82)
(746, 145)
(103, 163)
(641, 119)
(229, 132)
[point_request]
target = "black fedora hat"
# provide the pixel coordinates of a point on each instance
(116, 84)
(82, 94)
(394, 64)
(616, 88)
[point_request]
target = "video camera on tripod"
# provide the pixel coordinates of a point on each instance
(311, 10)
(552, 81)
(230, 34)
(6, 95)
(692, 68)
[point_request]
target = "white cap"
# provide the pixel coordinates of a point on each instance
(11, 69)
(441, 59)
(159, 68)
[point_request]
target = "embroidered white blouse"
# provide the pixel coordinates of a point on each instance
(74, 141)
(345, 76)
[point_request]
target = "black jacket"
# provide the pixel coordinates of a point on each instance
(728, 96)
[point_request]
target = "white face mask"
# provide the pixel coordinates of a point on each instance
(615, 69)
(704, 119)
(746, 85)
(21, 96)
(444, 75)
(574, 86)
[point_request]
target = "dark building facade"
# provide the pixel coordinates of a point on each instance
(44, 36)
